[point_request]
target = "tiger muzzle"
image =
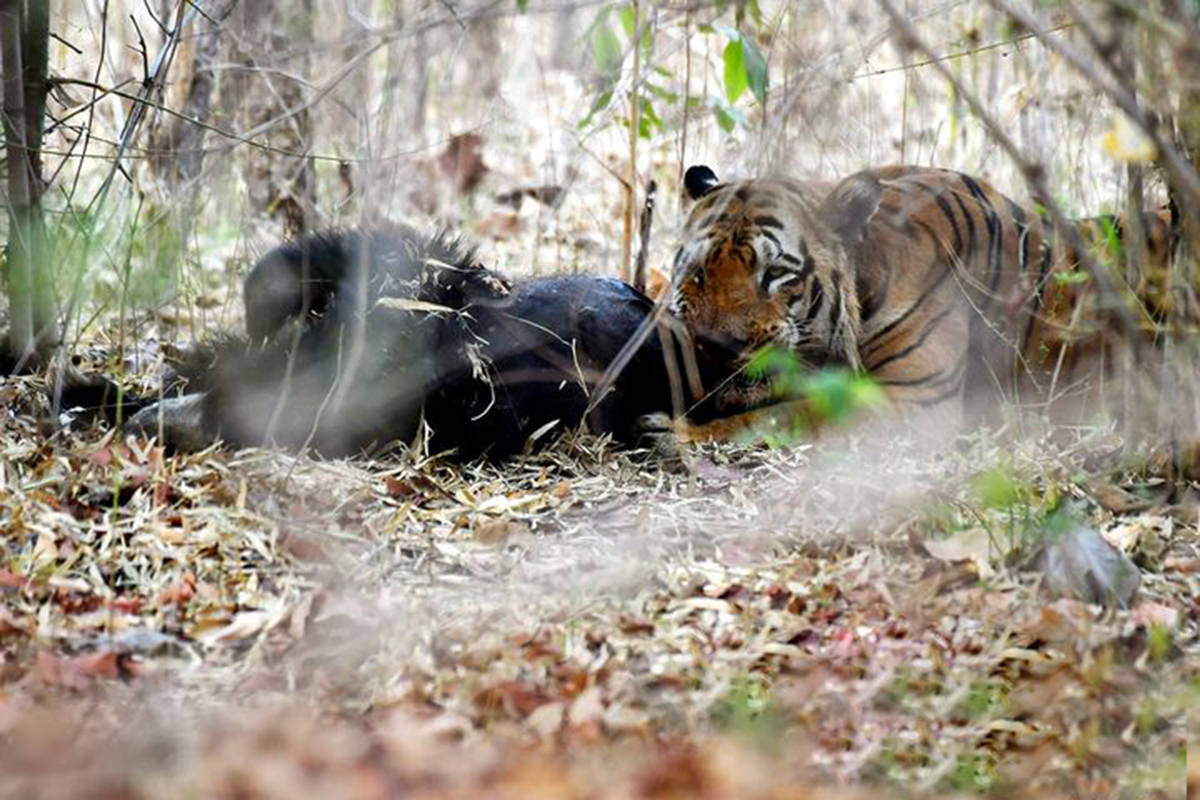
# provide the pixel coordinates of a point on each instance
(720, 346)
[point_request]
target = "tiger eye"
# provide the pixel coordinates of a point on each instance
(772, 274)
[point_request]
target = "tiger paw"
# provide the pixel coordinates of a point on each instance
(659, 433)
(658, 422)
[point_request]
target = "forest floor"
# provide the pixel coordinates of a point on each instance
(584, 622)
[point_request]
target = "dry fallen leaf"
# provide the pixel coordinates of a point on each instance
(10, 625)
(496, 531)
(1186, 566)
(588, 707)
(76, 672)
(45, 551)
(243, 626)
(1151, 613)
(972, 546)
(547, 720)
(10, 580)
(462, 161)
(179, 592)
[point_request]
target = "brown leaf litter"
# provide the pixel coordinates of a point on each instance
(576, 623)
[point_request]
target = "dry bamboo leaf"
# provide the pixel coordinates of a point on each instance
(406, 304)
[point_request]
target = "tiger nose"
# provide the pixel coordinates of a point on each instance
(719, 344)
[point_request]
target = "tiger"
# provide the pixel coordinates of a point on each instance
(939, 287)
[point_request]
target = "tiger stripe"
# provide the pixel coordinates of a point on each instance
(929, 280)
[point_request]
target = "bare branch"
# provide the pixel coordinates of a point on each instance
(1032, 171)
(639, 272)
(154, 77)
(1182, 173)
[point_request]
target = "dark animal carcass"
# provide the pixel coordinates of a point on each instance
(357, 338)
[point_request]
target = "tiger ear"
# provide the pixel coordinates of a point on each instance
(851, 205)
(699, 181)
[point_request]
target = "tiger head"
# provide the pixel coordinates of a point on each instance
(769, 262)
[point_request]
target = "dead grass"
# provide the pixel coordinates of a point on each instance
(761, 616)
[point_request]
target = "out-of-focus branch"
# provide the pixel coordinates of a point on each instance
(1107, 52)
(151, 84)
(185, 138)
(145, 152)
(647, 219)
(970, 51)
(783, 104)
(1032, 171)
(1180, 33)
(90, 107)
(635, 109)
(1180, 172)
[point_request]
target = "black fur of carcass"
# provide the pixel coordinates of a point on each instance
(356, 338)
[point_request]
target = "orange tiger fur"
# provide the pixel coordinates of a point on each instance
(935, 284)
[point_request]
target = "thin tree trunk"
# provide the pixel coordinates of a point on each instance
(1185, 264)
(24, 45)
(1187, 59)
(187, 139)
(280, 183)
(1134, 253)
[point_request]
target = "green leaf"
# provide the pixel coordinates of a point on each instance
(996, 488)
(629, 24)
(1072, 277)
(866, 393)
(599, 104)
(1111, 237)
(1159, 641)
(606, 47)
(661, 93)
(625, 15)
(756, 69)
(727, 122)
(773, 361)
(756, 13)
(833, 394)
(522, 6)
(735, 71)
(648, 119)
(728, 117)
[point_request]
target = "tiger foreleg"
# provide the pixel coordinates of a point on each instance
(803, 419)
(779, 423)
